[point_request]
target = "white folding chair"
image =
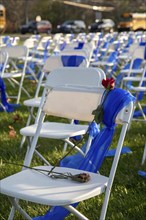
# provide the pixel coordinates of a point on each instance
(138, 80)
(79, 78)
(136, 65)
(33, 186)
(53, 62)
(17, 57)
(137, 87)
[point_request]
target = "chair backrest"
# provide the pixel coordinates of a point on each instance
(139, 52)
(52, 63)
(76, 76)
(3, 61)
(16, 51)
(80, 52)
(55, 62)
(73, 77)
(17, 60)
(72, 103)
(15, 54)
(30, 43)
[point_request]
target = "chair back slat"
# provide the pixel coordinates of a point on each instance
(16, 51)
(72, 103)
(79, 76)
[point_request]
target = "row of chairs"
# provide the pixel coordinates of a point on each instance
(15, 65)
(71, 93)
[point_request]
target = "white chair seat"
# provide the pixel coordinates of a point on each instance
(35, 102)
(33, 186)
(55, 130)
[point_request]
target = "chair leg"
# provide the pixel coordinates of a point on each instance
(22, 141)
(141, 111)
(65, 147)
(76, 212)
(15, 204)
(144, 155)
(27, 124)
(12, 213)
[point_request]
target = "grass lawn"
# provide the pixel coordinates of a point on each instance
(128, 196)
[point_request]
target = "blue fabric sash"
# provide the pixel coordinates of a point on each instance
(80, 46)
(62, 46)
(72, 60)
(138, 113)
(142, 173)
(100, 144)
(6, 106)
(46, 50)
(111, 152)
(74, 161)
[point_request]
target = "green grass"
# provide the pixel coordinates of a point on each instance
(128, 195)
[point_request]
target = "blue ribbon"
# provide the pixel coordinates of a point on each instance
(46, 50)
(74, 161)
(62, 46)
(72, 60)
(99, 147)
(142, 173)
(80, 46)
(6, 106)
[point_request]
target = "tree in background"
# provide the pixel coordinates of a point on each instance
(20, 11)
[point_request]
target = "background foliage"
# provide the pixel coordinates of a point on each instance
(57, 12)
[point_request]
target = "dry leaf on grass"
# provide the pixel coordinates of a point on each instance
(12, 132)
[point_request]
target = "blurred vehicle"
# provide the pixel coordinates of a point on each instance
(132, 22)
(102, 25)
(72, 26)
(2, 18)
(36, 27)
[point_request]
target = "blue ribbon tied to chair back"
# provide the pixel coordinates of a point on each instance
(5, 105)
(72, 60)
(80, 46)
(115, 101)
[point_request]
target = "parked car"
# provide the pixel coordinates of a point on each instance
(72, 26)
(102, 25)
(36, 27)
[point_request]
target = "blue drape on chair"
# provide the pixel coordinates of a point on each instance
(95, 156)
(72, 60)
(74, 161)
(80, 46)
(7, 106)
